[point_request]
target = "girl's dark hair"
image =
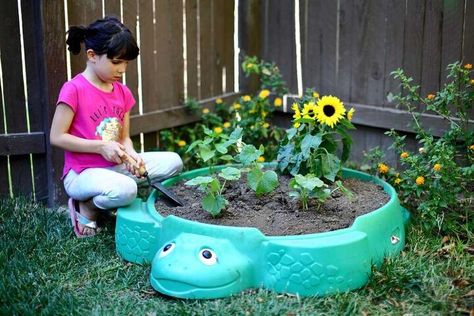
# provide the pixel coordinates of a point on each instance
(104, 36)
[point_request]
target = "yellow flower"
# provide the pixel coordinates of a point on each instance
(471, 147)
(315, 95)
(383, 168)
(296, 125)
(261, 159)
(472, 82)
(420, 180)
(236, 106)
(218, 101)
(398, 180)
(350, 113)
(278, 102)
(264, 94)
(309, 110)
(218, 130)
(246, 98)
(330, 110)
(296, 109)
(264, 114)
(205, 110)
(468, 66)
(181, 143)
(266, 125)
(404, 155)
(250, 66)
(437, 167)
(226, 124)
(430, 96)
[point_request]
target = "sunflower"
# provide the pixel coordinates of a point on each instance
(309, 110)
(297, 114)
(330, 110)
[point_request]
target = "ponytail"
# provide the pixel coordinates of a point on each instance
(75, 36)
(104, 36)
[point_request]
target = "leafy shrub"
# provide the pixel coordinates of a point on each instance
(436, 180)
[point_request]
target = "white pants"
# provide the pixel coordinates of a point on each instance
(113, 187)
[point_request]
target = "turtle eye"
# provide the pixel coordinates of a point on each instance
(208, 257)
(167, 249)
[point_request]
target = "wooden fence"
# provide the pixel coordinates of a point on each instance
(342, 47)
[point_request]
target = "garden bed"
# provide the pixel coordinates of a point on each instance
(276, 213)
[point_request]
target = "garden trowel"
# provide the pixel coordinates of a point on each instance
(167, 194)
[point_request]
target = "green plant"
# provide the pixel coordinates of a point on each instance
(311, 145)
(214, 148)
(260, 181)
(437, 181)
(214, 202)
(308, 187)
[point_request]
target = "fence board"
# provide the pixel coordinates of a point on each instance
(82, 12)
(453, 21)
(346, 55)
(206, 49)
(192, 49)
(468, 38)
(13, 93)
(393, 47)
(432, 42)
(224, 38)
(55, 68)
(130, 13)
(168, 79)
(112, 7)
(368, 47)
(413, 39)
(279, 39)
(4, 189)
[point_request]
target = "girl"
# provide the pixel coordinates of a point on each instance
(91, 124)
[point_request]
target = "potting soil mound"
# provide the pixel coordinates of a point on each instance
(276, 213)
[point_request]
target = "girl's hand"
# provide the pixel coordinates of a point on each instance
(139, 162)
(112, 151)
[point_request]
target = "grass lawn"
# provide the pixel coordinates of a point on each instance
(45, 269)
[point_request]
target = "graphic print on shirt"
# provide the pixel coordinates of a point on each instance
(109, 129)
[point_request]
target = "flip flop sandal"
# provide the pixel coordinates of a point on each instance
(78, 218)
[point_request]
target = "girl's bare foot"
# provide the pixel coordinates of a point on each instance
(88, 210)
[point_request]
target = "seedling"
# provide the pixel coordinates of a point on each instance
(213, 201)
(261, 182)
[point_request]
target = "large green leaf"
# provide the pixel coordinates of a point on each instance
(230, 173)
(206, 153)
(248, 154)
(330, 166)
(284, 155)
(310, 142)
(214, 204)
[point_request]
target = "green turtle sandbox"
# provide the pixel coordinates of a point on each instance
(196, 260)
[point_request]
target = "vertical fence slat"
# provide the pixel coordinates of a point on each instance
(413, 39)
(55, 66)
(206, 48)
(468, 38)
(130, 14)
(250, 39)
(82, 12)
(14, 98)
(395, 11)
(279, 39)
(368, 47)
(311, 43)
(36, 90)
(168, 79)
(191, 49)
(224, 37)
(344, 74)
(112, 8)
(453, 21)
(4, 189)
(431, 73)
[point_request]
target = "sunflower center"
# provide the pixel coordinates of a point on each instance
(329, 110)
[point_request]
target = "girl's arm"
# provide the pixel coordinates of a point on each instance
(128, 145)
(60, 137)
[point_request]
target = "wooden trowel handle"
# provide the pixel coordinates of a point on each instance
(141, 169)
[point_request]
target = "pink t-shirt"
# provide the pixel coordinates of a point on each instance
(97, 115)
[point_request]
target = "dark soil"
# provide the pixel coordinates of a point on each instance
(276, 214)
